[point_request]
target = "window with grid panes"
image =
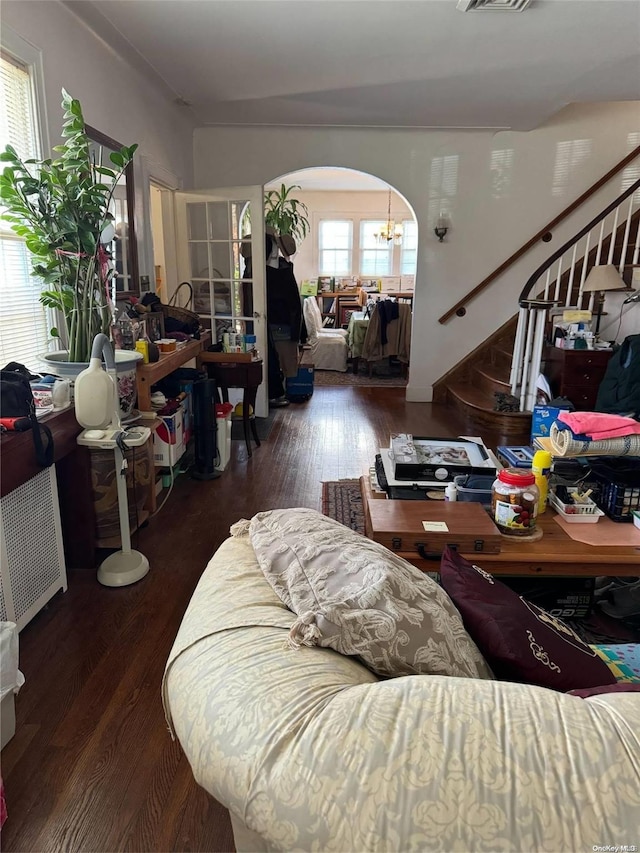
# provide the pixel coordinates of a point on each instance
(409, 247)
(23, 321)
(335, 246)
(375, 258)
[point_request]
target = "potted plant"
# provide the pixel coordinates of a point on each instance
(61, 208)
(286, 214)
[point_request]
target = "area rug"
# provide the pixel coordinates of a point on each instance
(342, 500)
(324, 378)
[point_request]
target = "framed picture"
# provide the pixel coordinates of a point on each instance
(346, 310)
(154, 325)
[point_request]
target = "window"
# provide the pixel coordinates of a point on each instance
(375, 258)
(23, 322)
(335, 246)
(409, 247)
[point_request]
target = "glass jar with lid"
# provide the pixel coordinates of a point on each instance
(514, 502)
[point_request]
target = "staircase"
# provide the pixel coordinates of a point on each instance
(470, 389)
(509, 361)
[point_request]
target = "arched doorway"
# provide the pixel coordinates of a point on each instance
(347, 249)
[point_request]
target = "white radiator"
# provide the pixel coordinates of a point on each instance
(32, 567)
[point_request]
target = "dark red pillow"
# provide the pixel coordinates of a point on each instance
(620, 687)
(520, 641)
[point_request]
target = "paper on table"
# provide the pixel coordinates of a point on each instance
(604, 532)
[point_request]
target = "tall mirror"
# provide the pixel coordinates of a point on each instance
(124, 249)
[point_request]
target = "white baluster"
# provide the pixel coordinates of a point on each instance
(526, 360)
(625, 241)
(572, 270)
(536, 359)
(518, 350)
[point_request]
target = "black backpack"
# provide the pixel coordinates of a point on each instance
(16, 401)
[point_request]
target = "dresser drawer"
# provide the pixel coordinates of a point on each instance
(583, 397)
(583, 374)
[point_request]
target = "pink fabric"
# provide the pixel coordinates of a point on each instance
(599, 425)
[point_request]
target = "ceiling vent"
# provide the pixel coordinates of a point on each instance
(492, 5)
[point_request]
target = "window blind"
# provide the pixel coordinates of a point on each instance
(23, 321)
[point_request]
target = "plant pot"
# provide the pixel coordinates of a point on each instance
(126, 363)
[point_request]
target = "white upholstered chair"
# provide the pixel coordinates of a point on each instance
(329, 349)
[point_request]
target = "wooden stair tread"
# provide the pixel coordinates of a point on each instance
(494, 373)
(475, 398)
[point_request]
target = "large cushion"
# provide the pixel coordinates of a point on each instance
(520, 641)
(353, 595)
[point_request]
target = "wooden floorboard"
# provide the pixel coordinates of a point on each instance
(92, 766)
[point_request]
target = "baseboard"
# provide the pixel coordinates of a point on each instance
(415, 394)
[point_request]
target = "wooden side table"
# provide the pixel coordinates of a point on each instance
(236, 374)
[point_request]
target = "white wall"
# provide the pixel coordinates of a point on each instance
(115, 98)
(498, 189)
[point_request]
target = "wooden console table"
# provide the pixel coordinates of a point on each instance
(555, 555)
(148, 374)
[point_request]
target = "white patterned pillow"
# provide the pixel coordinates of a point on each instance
(358, 598)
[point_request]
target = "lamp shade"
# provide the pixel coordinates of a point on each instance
(603, 277)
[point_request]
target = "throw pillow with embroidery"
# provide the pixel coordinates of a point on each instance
(354, 596)
(521, 642)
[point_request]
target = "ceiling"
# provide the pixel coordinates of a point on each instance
(376, 63)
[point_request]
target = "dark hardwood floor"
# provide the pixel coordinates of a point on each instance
(92, 766)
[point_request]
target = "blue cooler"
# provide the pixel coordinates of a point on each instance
(299, 388)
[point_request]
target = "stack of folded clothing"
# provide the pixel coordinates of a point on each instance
(594, 434)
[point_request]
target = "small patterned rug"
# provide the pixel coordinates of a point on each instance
(323, 378)
(342, 500)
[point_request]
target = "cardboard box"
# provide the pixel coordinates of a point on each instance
(390, 284)
(168, 440)
(565, 598)
(542, 420)
(515, 457)
(407, 282)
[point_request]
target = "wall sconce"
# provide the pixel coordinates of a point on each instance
(442, 226)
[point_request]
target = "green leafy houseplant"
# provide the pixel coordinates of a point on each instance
(61, 209)
(286, 214)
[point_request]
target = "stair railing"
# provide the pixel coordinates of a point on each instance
(544, 234)
(563, 288)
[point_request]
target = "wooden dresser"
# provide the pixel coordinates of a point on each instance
(576, 374)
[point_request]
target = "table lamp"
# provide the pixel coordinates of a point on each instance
(602, 277)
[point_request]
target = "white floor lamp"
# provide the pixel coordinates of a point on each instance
(97, 409)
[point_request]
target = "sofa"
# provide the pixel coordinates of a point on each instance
(311, 750)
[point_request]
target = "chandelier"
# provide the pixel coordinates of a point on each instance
(390, 230)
